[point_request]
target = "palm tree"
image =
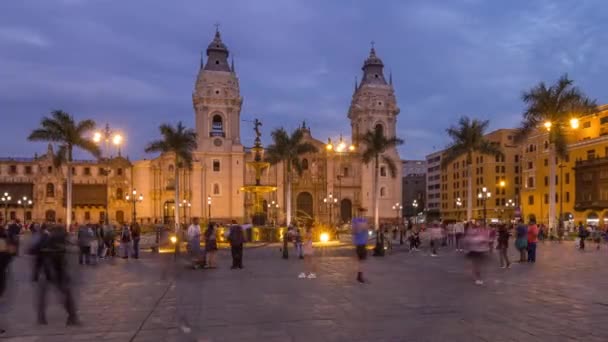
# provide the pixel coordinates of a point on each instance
(60, 128)
(181, 142)
(375, 144)
(468, 139)
(288, 148)
(556, 108)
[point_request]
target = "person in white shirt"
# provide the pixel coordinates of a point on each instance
(194, 238)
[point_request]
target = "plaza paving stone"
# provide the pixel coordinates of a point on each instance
(411, 297)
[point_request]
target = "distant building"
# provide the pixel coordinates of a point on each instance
(433, 184)
(414, 186)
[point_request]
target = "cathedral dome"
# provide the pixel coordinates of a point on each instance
(373, 69)
(217, 55)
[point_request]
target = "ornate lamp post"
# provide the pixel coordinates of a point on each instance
(484, 195)
(330, 201)
(107, 136)
(24, 202)
(5, 199)
(134, 199)
(273, 211)
(415, 205)
(510, 204)
(341, 148)
(186, 205)
(209, 207)
(458, 206)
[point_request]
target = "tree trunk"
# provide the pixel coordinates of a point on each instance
(469, 192)
(288, 196)
(552, 173)
(376, 193)
(68, 200)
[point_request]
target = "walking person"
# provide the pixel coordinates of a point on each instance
(298, 244)
(7, 250)
(309, 266)
(459, 234)
(360, 236)
(503, 246)
(582, 235)
(135, 236)
(236, 237)
(477, 241)
(125, 241)
(532, 240)
(194, 243)
(54, 272)
(84, 237)
(210, 245)
(521, 240)
(108, 239)
(436, 237)
(14, 233)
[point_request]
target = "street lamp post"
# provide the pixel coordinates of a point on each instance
(134, 199)
(330, 201)
(5, 199)
(415, 205)
(341, 148)
(186, 205)
(273, 211)
(398, 208)
(458, 206)
(510, 204)
(24, 202)
(107, 136)
(484, 195)
(209, 208)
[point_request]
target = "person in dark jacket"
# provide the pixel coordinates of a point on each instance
(503, 246)
(5, 259)
(85, 237)
(135, 235)
(236, 238)
(54, 272)
(14, 230)
(582, 235)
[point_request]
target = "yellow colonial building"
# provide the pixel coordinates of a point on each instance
(499, 175)
(581, 178)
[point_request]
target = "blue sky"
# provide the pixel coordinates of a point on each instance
(133, 63)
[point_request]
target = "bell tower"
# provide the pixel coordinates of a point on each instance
(374, 106)
(219, 167)
(217, 100)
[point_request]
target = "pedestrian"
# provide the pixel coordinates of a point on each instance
(35, 251)
(7, 251)
(298, 244)
(309, 266)
(436, 237)
(451, 234)
(521, 240)
(194, 243)
(136, 236)
(101, 248)
(360, 235)
(54, 272)
(477, 242)
(459, 234)
(503, 246)
(532, 240)
(596, 236)
(582, 235)
(236, 237)
(109, 237)
(210, 245)
(84, 237)
(125, 241)
(13, 233)
(414, 240)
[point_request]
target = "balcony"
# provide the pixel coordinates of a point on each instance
(214, 134)
(596, 161)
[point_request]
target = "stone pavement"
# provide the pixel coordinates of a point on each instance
(411, 297)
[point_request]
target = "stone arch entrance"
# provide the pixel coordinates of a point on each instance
(120, 216)
(304, 207)
(346, 210)
(168, 212)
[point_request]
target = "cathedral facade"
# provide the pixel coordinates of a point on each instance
(334, 186)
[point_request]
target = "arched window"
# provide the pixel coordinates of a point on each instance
(171, 168)
(216, 189)
(304, 164)
(379, 127)
(50, 190)
(217, 124)
(382, 191)
(119, 193)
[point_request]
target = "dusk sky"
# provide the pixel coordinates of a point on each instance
(133, 63)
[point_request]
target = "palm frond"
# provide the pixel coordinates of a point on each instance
(390, 163)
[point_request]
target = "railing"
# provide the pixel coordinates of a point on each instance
(217, 134)
(592, 161)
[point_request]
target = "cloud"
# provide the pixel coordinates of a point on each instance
(24, 36)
